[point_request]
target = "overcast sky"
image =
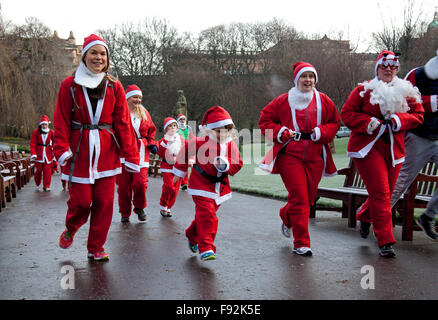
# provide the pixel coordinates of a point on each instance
(357, 19)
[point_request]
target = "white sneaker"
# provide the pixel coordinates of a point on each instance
(287, 232)
(303, 251)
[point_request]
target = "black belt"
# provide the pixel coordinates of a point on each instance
(210, 177)
(302, 136)
(43, 145)
(81, 127)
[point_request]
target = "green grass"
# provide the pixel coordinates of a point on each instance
(22, 144)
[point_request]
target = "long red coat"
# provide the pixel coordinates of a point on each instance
(321, 113)
(169, 160)
(204, 150)
(41, 146)
(98, 155)
(356, 114)
(145, 132)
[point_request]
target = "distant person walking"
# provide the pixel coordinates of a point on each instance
(41, 152)
(378, 112)
(186, 132)
(93, 130)
(301, 123)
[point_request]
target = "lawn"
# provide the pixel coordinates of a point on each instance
(250, 179)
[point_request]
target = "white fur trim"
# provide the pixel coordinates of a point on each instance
(372, 125)
(433, 103)
(166, 170)
(225, 161)
(219, 124)
(132, 166)
(398, 124)
(183, 116)
(179, 173)
(299, 100)
(304, 70)
(93, 43)
(280, 133)
(65, 156)
(134, 93)
(431, 68)
(163, 144)
(316, 135)
(86, 78)
(169, 123)
(34, 156)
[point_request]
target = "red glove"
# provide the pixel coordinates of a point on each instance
(285, 136)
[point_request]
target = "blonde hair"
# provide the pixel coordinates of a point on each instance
(140, 112)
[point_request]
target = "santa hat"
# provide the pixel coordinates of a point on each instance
(92, 40)
(431, 68)
(181, 116)
(133, 90)
(44, 119)
(216, 117)
(387, 55)
(168, 121)
(300, 67)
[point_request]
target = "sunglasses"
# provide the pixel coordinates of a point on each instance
(393, 65)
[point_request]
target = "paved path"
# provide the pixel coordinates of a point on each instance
(151, 260)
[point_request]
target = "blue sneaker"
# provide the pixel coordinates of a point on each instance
(193, 247)
(208, 255)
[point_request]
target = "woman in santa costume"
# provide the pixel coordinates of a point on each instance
(93, 131)
(41, 152)
(185, 131)
(214, 156)
(132, 186)
(301, 123)
(378, 112)
(168, 149)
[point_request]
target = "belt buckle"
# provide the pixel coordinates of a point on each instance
(297, 136)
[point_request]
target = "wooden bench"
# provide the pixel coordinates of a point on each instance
(27, 163)
(154, 165)
(353, 194)
(21, 169)
(8, 186)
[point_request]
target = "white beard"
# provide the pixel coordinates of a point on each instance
(86, 78)
(45, 130)
(174, 144)
(391, 97)
(299, 100)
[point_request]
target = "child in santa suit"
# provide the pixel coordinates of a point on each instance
(378, 112)
(214, 156)
(41, 152)
(93, 130)
(168, 148)
(185, 131)
(301, 123)
(132, 186)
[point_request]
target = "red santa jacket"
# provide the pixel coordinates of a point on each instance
(145, 132)
(41, 146)
(204, 152)
(356, 114)
(99, 155)
(320, 116)
(169, 153)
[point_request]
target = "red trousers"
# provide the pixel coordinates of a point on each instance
(131, 189)
(301, 180)
(379, 177)
(96, 199)
(169, 191)
(203, 229)
(43, 171)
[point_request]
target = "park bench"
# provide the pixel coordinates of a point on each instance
(21, 168)
(154, 165)
(8, 186)
(29, 164)
(353, 194)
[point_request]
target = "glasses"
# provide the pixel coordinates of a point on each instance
(392, 64)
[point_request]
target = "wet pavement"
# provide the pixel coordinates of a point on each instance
(152, 261)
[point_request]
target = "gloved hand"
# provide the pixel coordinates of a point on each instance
(373, 125)
(152, 148)
(285, 136)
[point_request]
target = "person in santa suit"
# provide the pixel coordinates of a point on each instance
(301, 123)
(41, 152)
(185, 131)
(378, 112)
(132, 186)
(421, 143)
(214, 156)
(93, 131)
(168, 148)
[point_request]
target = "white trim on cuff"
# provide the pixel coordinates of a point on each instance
(132, 166)
(316, 135)
(280, 133)
(62, 161)
(163, 144)
(396, 127)
(225, 160)
(179, 173)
